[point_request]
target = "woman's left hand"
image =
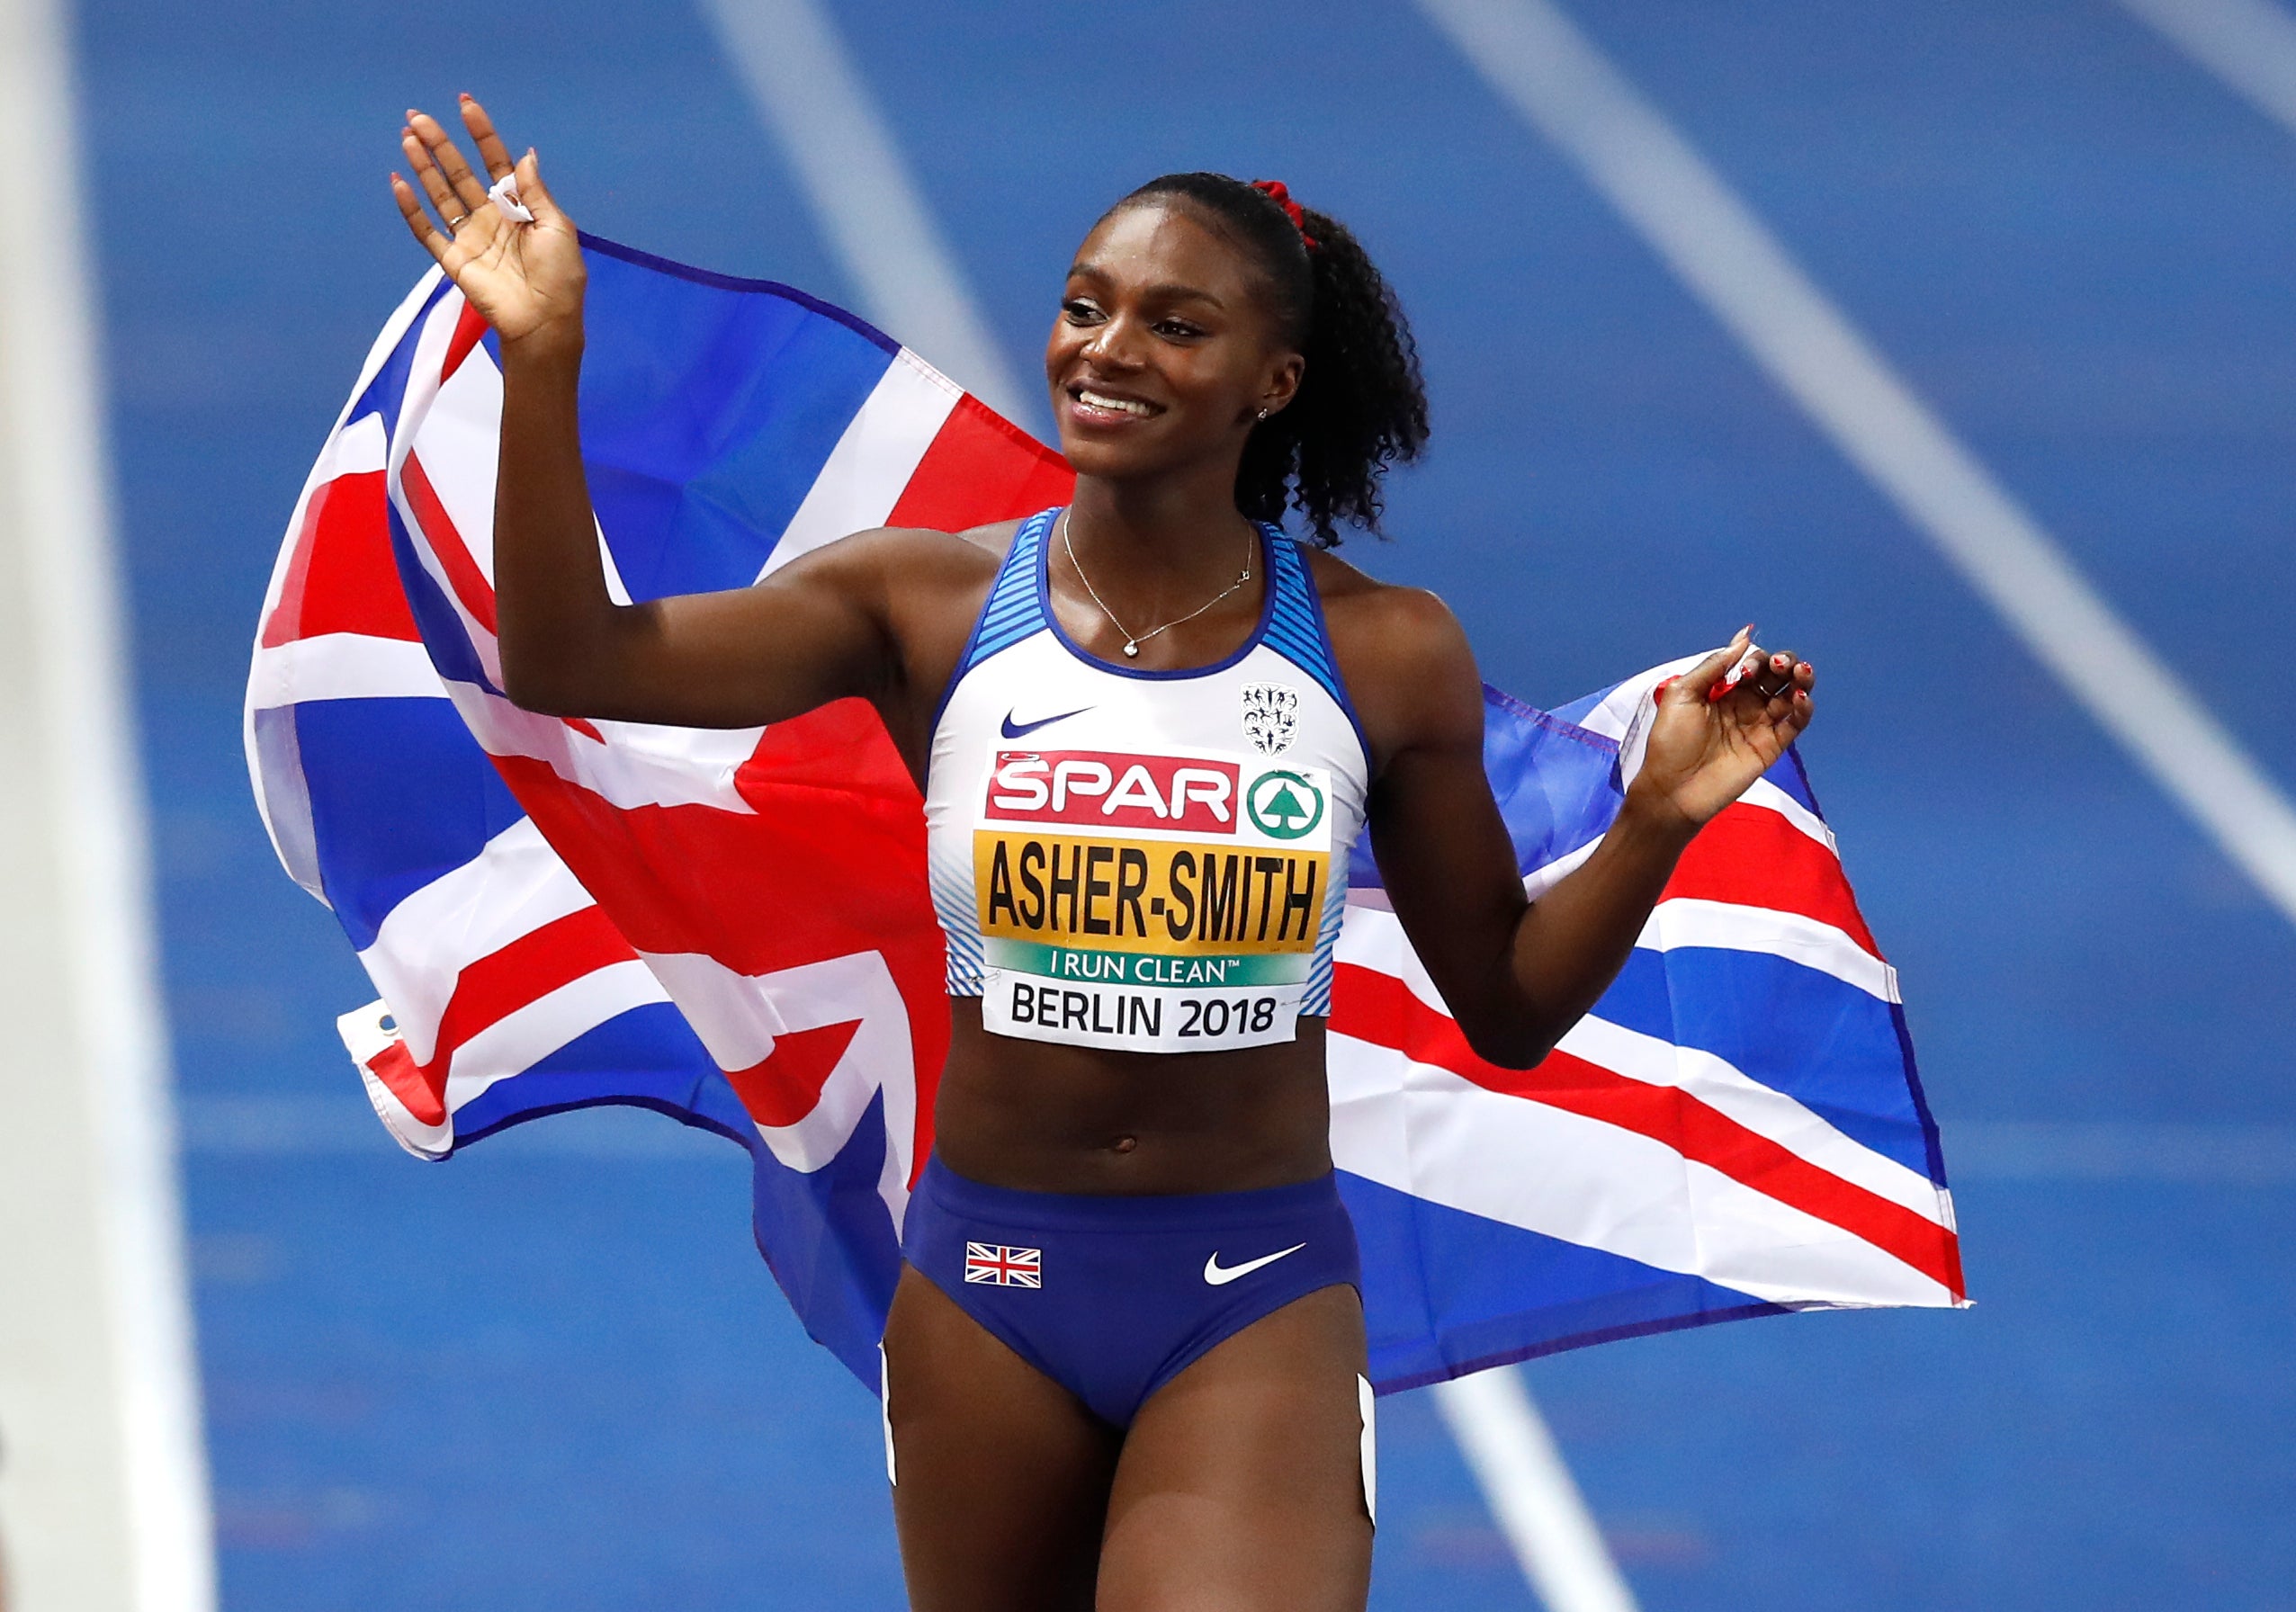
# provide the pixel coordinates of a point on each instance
(1704, 752)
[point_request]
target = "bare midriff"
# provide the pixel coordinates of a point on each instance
(1043, 1117)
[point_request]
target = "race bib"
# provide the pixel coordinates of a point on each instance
(1166, 903)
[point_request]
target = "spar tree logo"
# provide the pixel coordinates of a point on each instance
(1284, 805)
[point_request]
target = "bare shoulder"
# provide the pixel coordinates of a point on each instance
(1386, 630)
(1403, 657)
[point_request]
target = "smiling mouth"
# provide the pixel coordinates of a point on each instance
(1100, 402)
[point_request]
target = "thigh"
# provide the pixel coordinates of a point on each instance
(1242, 1486)
(1001, 1478)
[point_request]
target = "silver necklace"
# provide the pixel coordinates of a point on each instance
(1132, 640)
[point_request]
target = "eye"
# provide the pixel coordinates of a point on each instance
(1178, 329)
(1079, 311)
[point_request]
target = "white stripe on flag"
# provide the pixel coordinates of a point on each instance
(1685, 921)
(341, 666)
(870, 468)
(526, 1036)
(423, 384)
(1769, 1113)
(675, 767)
(512, 888)
(737, 1016)
(1424, 1130)
(460, 444)
(1375, 940)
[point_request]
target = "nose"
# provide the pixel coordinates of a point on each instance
(1113, 346)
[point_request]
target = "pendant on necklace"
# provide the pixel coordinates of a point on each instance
(1130, 651)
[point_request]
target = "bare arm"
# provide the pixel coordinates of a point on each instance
(1515, 973)
(819, 630)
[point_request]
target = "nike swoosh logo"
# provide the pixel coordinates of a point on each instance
(1220, 1276)
(1013, 729)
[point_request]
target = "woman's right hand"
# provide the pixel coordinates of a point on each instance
(526, 280)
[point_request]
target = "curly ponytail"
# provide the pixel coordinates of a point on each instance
(1361, 405)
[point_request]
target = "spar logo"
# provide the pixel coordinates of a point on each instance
(1284, 805)
(1113, 790)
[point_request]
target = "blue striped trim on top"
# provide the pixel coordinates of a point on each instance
(1295, 628)
(1011, 612)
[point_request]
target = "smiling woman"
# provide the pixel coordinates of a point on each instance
(1125, 1362)
(1352, 407)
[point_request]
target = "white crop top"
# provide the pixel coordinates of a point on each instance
(1147, 861)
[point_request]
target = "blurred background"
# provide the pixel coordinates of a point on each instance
(1659, 254)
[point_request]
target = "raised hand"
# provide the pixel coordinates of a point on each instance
(525, 279)
(1706, 752)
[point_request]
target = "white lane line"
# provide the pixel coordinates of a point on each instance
(1541, 64)
(1513, 1457)
(92, 930)
(812, 97)
(2250, 44)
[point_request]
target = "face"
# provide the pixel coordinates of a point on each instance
(1166, 347)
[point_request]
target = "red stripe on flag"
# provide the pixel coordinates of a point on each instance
(468, 331)
(499, 983)
(981, 468)
(395, 1067)
(831, 863)
(1379, 1008)
(1751, 856)
(786, 1085)
(341, 577)
(462, 574)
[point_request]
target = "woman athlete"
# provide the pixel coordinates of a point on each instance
(1124, 1358)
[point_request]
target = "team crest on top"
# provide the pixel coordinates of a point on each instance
(1270, 716)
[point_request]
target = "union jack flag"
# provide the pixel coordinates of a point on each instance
(734, 928)
(992, 1262)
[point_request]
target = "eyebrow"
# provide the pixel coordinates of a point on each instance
(1167, 291)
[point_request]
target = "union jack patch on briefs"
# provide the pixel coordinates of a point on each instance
(1005, 1267)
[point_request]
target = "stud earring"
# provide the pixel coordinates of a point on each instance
(1263, 414)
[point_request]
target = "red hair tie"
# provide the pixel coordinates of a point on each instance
(1273, 189)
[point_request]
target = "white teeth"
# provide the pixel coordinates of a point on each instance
(1092, 400)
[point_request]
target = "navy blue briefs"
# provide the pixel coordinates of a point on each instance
(1112, 1297)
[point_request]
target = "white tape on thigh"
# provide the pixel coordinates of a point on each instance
(885, 1411)
(1371, 1450)
(504, 194)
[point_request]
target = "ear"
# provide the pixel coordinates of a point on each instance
(1281, 385)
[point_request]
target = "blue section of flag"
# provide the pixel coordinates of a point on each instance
(1452, 1285)
(400, 794)
(831, 1244)
(388, 390)
(645, 1057)
(1830, 1046)
(1553, 783)
(695, 467)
